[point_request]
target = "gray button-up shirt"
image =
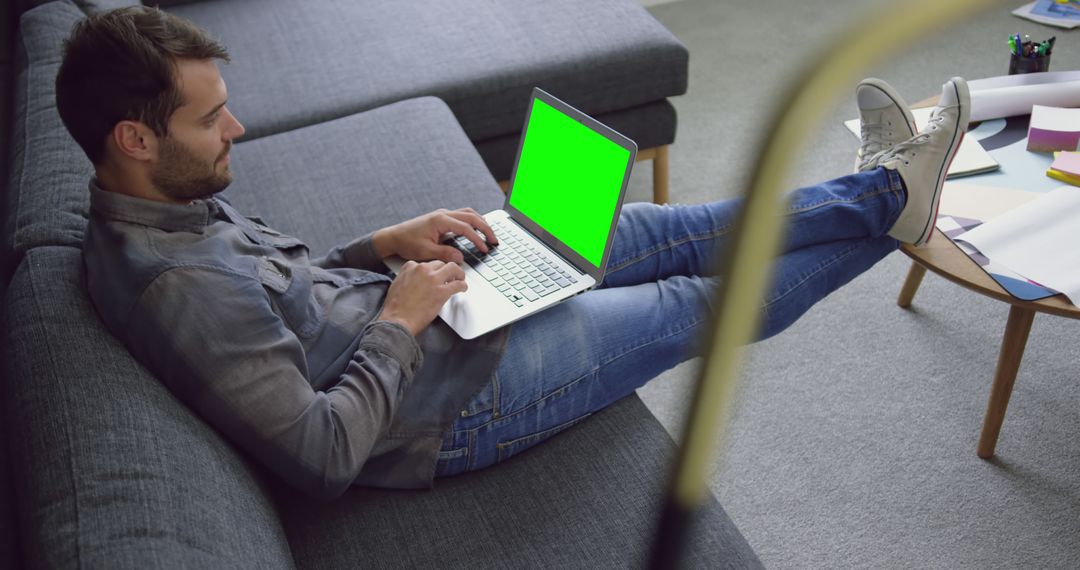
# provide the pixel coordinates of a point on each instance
(279, 352)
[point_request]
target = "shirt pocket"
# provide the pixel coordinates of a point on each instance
(290, 290)
(263, 235)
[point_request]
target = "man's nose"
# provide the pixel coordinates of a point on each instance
(236, 129)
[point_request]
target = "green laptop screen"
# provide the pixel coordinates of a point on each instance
(568, 180)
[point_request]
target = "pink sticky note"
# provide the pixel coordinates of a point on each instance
(1068, 162)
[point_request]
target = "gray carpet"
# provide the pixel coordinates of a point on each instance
(853, 442)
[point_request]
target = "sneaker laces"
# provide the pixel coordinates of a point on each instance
(875, 138)
(907, 150)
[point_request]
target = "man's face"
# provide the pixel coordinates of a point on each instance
(193, 159)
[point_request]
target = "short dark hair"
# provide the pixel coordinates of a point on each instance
(121, 65)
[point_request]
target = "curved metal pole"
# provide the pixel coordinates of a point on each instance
(757, 237)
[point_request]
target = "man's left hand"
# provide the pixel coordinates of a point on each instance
(420, 239)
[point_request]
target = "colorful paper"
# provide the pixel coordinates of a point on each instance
(1053, 128)
(1057, 10)
(1058, 19)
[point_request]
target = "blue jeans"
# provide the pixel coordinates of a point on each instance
(653, 308)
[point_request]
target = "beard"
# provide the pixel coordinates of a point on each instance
(183, 176)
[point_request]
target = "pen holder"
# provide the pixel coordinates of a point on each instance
(1020, 64)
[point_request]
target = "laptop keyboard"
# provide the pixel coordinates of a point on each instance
(520, 269)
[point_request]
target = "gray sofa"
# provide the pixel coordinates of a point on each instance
(104, 468)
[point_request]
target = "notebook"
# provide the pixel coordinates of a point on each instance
(556, 226)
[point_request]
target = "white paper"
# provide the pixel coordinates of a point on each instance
(980, 202)
(983, 203)
(1055, 119)
(996, 103)
(1039, 240)
(1023, 79)
(970, 158)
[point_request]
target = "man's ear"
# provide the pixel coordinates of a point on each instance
(135, 140)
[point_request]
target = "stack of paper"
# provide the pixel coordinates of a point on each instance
(1037, 240)
(1066, 168)
(1052, 13)
(965, 207)
(1053, 128)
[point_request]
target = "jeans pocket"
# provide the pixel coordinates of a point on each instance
(452, 462)
(508, 449)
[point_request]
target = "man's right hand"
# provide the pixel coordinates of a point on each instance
(419, 291)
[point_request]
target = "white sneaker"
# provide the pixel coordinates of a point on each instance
(884, 120)
(923, 161)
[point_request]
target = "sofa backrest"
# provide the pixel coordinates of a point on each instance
(109, 470)
(601, 55)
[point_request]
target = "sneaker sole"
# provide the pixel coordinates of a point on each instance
(925, 238)
(928, 229)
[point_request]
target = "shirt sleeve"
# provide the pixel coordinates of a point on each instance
(358, 254)
(213, 338)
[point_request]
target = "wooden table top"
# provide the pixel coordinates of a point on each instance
(943, 257)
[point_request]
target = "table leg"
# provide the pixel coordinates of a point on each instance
(1012, 351)
(911, 284)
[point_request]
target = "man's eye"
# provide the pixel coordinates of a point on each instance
(213, 119)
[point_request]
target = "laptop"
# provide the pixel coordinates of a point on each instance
(556, 227)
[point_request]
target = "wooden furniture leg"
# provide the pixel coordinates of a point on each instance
(1012, 351)
(911, 284)
(659, 157)
(660, 175)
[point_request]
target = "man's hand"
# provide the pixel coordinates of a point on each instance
(420, 238)
(419, 292)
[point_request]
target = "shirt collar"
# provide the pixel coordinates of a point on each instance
(191, 217)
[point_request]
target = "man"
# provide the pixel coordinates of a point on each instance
(331, 373)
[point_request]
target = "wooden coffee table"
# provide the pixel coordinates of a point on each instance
(943, 257)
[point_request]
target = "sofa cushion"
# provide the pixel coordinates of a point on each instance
(588, 498)
(47, 200)
(336, 180)
(481, 57)
(110, 471)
